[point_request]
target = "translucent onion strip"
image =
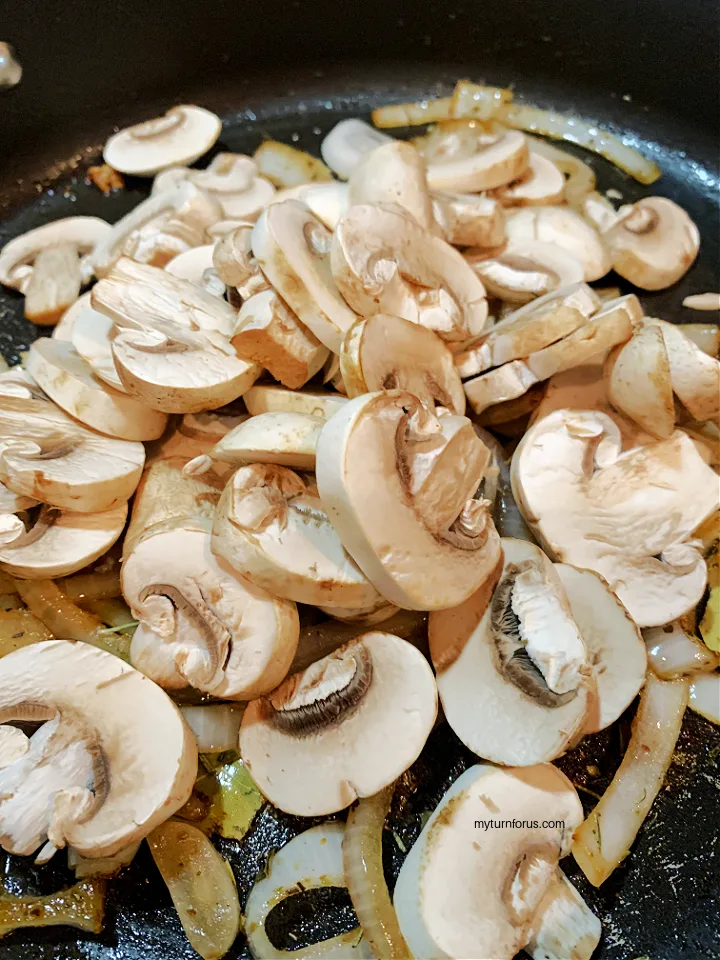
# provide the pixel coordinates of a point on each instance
(91, 586)
(580, 177)
(81, 906)
(215, 725)
(705, 696)
(604, 839)
(362, 857)
(673, 653)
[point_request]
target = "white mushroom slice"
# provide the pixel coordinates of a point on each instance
(235, 264)
(46, 455)
(564, 925)
(495, 159)
(13, 503)
(357, 719)
(496, 386)
(372, 458)
(638, 376)
(377, 612)
(467, 220)
(273, 530)
(513, 673)
(13, 745)
(181, 136)
(114, 759)
(653, 244)
(532, 327)
(65, 326)
(593, 507)
(292, 247)
(18, 255)
(232, 180)
(267, 398)
(60, 542)
(383, 261)
(287, 439)
(394, 173)
(347, 143)
(328, 201)
(387, 353)
(65, 377)
(196, 266)
(268, 332)
(695, 377)
(91, 337)
(53, 285)
(474, 881)
(525, 269)
(615, 646)
(153, 656)
(542, 184)
(564, 228)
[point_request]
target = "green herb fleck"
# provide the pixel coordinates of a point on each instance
(398, 841)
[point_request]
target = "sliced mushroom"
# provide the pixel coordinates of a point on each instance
(17, 257)
(490, 160)
(377, 612)
(196, 266)
(293, 249)
(513, 673)
(60, 542)
(564, 925)
(383, 261)
(46, 455)
(532, 327)
(638, 375)
(287, 439)
(65, 326)
(113, 760)
(541, 184)
(227, 637)
(232, 180)
(275, 531)
(347, 143)
(695, 377)
(627, 517)
(13, 503)
(328, 201)
(504, 383)
(267, 398)
(54, 284)
(421, 515)
(181, 136)
(477, 877)
(467, 220)
(154, 656)
(65, 377)
(235, 264)
(653, 243)
(525, 269)
(91, 338)
(394, 173)
(269, 333)
(357, 719)
(387, 353)
(566, 229)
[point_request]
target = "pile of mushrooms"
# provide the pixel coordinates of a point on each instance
(291, 375)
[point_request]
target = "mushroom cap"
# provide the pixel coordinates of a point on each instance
(469, 220)
(512, 670)
(467, 892)
(347, 143)
(564, 228)
(616, 514)
(387, 352)
(525, 269)
(228, 637)
(287, 439)
(540, 185)
(46, 455)
(61, 542)
(273, 530)
(292, 247)
(653, 243)
(18, 254)
(400, 493)
(695, 377)
(638, 375)
(495, 159)
(615, 646)
(91, 336)
(181, 136)
(134, 729)
(269, 398)
(394, 173)
(381, 706)
(68, 380)
(380, 257)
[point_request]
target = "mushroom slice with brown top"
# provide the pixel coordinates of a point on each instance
(181, 136)
(231, 179)
(275, 531)
(566, 229)
(466, 220)
(513, 673)
(268, 398)
(235, 264)
(113, 759)
(474, 882)
(383, 261)
(490, 159)
(91, 337)
(287, 439)
(196, 266)
(60, 542)
(357, 719)
(348, 142)
(532, 327)
(384, 352)
(542, 184)
(695, 377)
(268, 332)
(504, 383)
(65, 377)
(292, 247)
(638, 376)
(653, 243)
(394, 173)
(627, 516)
(525, 269)
(399, 486)
(46, 455)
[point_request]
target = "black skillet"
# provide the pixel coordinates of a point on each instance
(291, 69)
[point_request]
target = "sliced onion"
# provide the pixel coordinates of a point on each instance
(470, 101)
(201, 885)
(85, 867)
(18, 628)
(413, 114)
(313, 859)
(286, 166)
(702, 301)
(704, 335)
(673, 653)
(81, 906)
(91, 586)
(580, 177)
(216, 725)
(705, 696)
(362, 857)
(476, 102)
(604, 839)
(558, 126)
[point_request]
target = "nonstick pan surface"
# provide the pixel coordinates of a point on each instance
(662, 903)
